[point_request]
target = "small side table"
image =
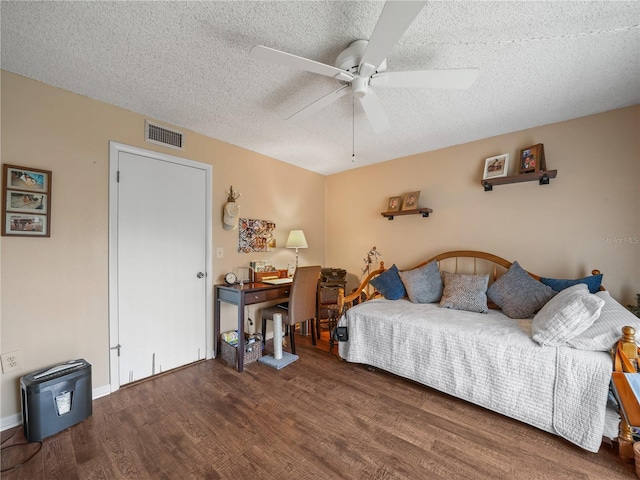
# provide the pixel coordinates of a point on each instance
(327, 308)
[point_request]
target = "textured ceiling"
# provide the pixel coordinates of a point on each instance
(187, 64)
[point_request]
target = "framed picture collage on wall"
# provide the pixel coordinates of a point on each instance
(26, 202)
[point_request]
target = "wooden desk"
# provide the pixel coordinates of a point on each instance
(247, 294)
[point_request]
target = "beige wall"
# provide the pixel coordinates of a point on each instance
(55, 290)
(586, 218)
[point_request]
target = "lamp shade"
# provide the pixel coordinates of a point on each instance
(296, 239)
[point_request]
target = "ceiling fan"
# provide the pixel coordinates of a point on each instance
(362, 66)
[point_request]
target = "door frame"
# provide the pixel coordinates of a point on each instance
(114, 150)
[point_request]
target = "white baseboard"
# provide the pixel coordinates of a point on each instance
(16, 419)
(10, 421)
(102, 391)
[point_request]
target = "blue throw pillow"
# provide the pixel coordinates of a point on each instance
(593, 283)
(388, 283)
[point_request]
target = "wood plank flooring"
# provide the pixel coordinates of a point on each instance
(316, 418)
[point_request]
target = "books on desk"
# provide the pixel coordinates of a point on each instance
(277, 281)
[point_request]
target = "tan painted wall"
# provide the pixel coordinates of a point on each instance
(586, 218)
(55, 290)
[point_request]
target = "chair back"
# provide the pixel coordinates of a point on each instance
(302, 301)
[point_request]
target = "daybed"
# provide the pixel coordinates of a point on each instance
(549, 369)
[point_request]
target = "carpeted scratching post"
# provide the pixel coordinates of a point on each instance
(279, 359)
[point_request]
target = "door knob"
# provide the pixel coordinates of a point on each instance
(201, 274)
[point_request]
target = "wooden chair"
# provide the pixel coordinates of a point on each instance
(301, 306)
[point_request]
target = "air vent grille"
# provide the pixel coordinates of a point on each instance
(163, 136)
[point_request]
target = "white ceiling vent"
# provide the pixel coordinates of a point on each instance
(163, 136)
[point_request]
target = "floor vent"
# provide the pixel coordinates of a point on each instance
(162, 136)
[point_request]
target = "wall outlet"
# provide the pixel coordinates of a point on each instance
(11, 361)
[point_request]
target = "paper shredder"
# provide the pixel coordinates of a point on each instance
(55, 398)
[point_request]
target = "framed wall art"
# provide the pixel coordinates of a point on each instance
(410, 201)
(26, 202)
(255, 235)
(495, 167)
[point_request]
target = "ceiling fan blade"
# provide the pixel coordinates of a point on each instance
(260, 52)
(320, 104)
(393, 22)
(374, 111)
(456, 78)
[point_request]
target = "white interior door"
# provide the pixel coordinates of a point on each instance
(161, 263)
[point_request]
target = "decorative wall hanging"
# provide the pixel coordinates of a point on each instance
(26, 202)
(231, 211)
(255, 235)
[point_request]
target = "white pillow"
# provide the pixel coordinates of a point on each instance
(566, 315)
(607, 329)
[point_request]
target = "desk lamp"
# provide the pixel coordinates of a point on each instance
(296, 240)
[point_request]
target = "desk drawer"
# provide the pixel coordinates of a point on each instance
(279, 293)
(255, 297)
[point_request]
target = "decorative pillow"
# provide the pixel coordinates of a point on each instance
(518, 294)
(465, 292)
(388, 283)
(607, 329)
(566, 315)
(558, 284)
(423, 284)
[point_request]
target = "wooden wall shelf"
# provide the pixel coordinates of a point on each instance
(542, 177)
(422, 211)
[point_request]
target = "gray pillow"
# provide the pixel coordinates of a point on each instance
(423, 284)
(607, 329)
(518, 294)
(465, 292)
(566, 315)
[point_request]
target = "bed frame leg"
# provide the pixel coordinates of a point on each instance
(625, 436)
(625, 441)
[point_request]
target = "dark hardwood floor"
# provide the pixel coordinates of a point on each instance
(316, 418)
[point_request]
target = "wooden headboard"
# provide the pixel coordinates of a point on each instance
(456, 261)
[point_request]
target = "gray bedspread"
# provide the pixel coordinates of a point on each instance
(488, 359)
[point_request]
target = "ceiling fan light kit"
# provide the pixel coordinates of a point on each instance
(362, 66)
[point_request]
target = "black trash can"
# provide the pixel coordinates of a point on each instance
(55, 398)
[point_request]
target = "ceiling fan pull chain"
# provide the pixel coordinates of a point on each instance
(353, 126)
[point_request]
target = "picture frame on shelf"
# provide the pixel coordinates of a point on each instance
(532, 159)
(26, 201)
(410, 201)
(394, 204)
(497, 166)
